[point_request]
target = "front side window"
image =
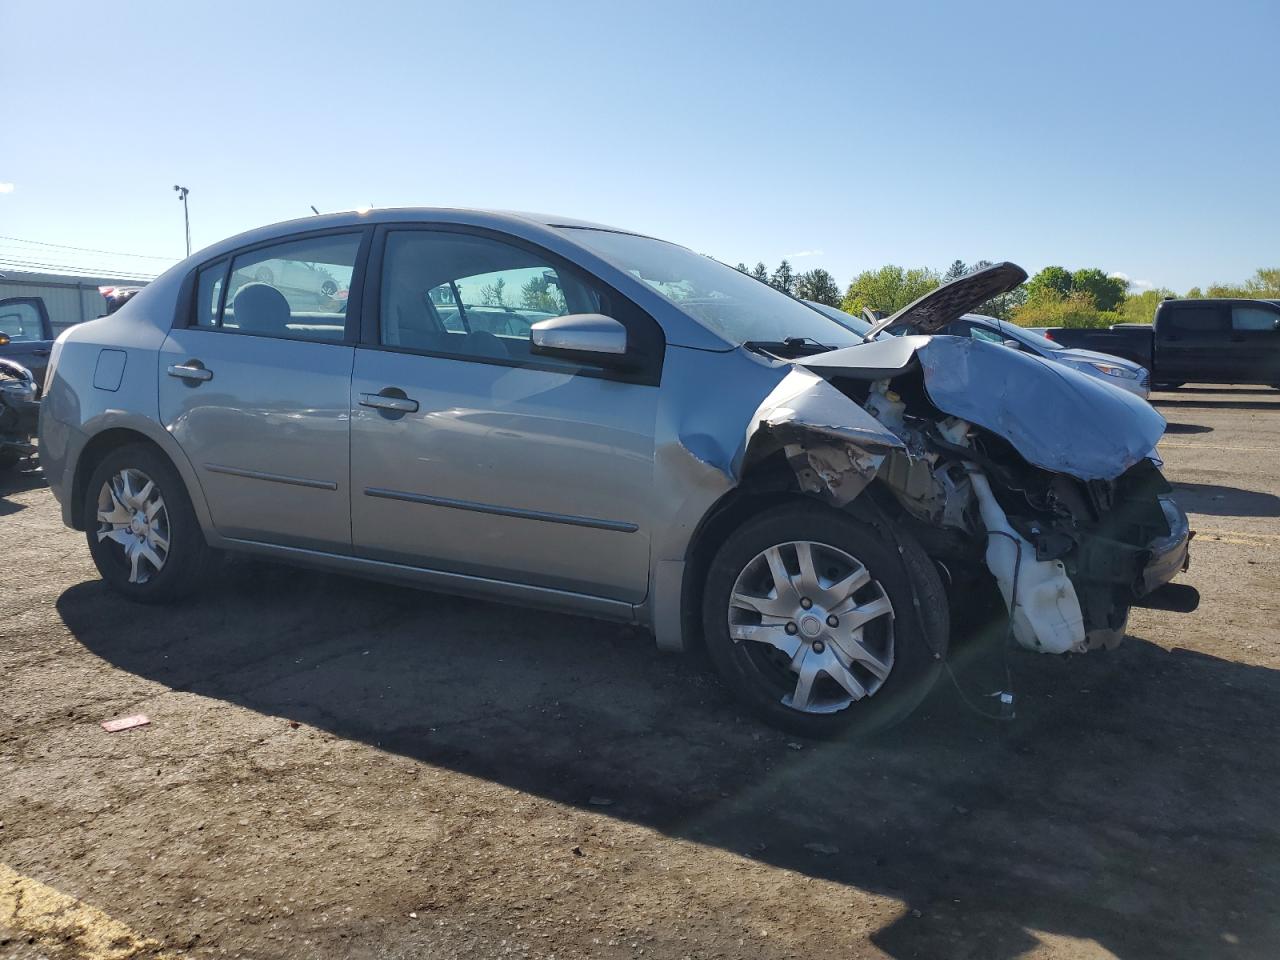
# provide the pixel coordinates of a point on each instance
(297, 290)
(475, 297)
(21, 321)
(1254, 318)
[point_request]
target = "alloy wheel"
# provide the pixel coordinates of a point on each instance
(814, 623)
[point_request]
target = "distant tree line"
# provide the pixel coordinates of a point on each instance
(1054, 297)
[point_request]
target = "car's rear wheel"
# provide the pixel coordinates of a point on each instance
(142, 530)
(810, 616)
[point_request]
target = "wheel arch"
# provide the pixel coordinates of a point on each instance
(100, 444)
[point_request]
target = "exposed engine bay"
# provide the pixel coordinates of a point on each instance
(1002, 467)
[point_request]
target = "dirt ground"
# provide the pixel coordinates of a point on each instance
(342, 769)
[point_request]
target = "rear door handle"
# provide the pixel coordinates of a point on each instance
(40, 353)
(383, 401)
(191, 370)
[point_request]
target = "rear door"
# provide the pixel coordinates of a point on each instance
(256, 389)
(1255, 342)
(1192, 343)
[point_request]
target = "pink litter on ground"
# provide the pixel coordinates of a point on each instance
(126, 723)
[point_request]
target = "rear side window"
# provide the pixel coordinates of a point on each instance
(1197, 320)
(20, 321)
(296, 290)
(209, 293)
(1254, 318)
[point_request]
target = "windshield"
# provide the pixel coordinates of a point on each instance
(856, 324)
(727, 301)
(1023, 335)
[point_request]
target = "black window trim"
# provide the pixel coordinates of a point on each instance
(187, 298)
(647, 374)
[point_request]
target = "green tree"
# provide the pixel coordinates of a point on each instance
(1141, 307)
(537, 294)
(819, 286)
(1049, 282)
(955, 271)
(1051, 309)
(1194, 294)
(742, 268)
(784, 278)
(494, 294)
(761, 272)
(1264, 284)
(1107, 292)
(888, 289)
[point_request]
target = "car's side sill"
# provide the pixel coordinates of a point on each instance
(272, 477)
(442, 581)
(619, 526)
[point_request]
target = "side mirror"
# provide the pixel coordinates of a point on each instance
(1014, 344)
(585, 337)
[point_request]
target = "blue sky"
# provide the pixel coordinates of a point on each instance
(1137, 137)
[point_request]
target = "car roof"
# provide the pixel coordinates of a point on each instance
(503, 220)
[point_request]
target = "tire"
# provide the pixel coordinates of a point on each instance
(910, 640)
(125, 544)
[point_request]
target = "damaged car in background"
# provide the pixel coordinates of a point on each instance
(668, 443)
(19, 412)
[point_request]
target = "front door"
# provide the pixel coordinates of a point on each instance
(1193, 344)
(256, 390)
(1255, 342)
(472, 455)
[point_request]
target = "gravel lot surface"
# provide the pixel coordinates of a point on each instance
(342, 769)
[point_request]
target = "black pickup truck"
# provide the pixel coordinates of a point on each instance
(1194, 341)
(26, 334)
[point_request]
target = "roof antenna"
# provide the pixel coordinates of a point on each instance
(314, 210)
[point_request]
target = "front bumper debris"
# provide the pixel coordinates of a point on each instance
(1169, 555)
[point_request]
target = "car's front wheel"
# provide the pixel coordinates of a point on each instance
(810, 615)
(143, 533)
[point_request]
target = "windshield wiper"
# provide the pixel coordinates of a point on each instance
(789, 347)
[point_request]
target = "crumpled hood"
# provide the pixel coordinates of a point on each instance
(1058, 418)
(953, 300)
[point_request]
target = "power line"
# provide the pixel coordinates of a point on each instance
(116, 253)
(38, 266)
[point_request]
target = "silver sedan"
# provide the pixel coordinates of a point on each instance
(543, 411)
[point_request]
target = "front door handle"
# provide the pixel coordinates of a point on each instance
(192, 370)
(388, 401)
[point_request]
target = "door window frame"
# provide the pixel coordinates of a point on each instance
(188, 306)
(642, 328)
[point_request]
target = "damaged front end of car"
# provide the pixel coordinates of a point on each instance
(1002, 465)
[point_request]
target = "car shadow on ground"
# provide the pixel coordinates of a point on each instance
(1162, 402)
(23, 476)
(1225, 388)
(1131, 803)
(1212, 499)
(1171, 427)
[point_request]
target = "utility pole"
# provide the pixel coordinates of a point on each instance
(186, 219)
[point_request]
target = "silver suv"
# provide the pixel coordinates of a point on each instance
(659, 440)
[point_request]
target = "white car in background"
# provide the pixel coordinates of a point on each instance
(1114, 370)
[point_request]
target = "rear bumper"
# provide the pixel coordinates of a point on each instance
(1169, 555)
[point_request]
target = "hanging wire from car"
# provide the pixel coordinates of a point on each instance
(1007, 706)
